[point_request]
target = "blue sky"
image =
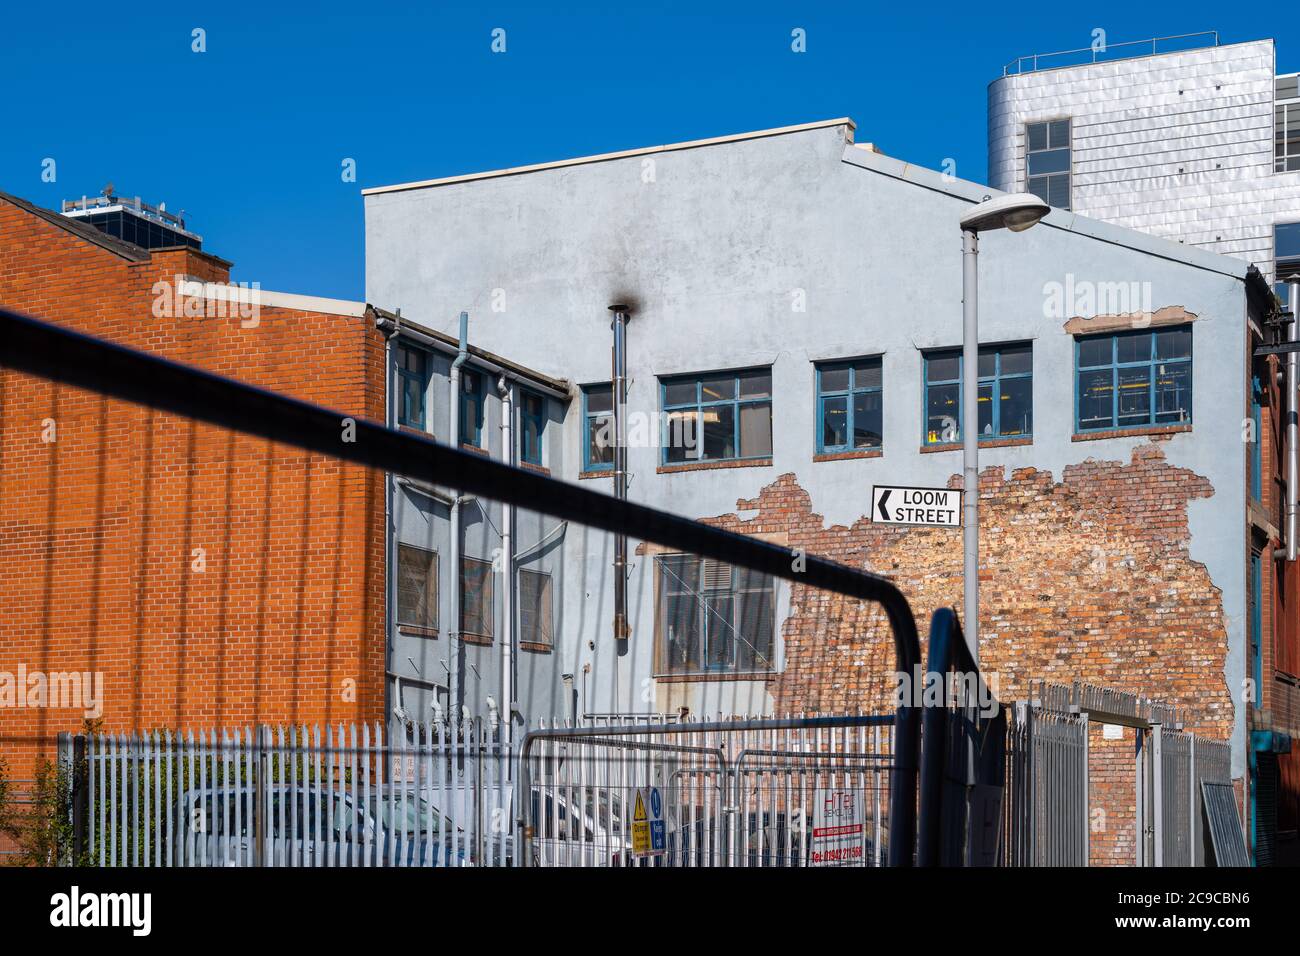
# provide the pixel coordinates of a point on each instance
(249, 136)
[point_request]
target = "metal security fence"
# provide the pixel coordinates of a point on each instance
(292, 797)
(1049, 803)
(809, 791)
(1047, 806)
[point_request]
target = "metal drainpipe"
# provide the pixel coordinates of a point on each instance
(462, 353)
(1292, 431)
(506, 390)
(391, 394)
(619, 325)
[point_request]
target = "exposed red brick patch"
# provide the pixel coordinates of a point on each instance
(1087, 578)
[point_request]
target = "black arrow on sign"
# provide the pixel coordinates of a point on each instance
(884, 496)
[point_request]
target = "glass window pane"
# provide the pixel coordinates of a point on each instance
(755, 384)
(1017, 359)
(1040, 187)
(941, 422)
(1096, 409)
(1286, 239)
(986, 411)
(719, 431)
(1174, 393)
(600, 398)
(680, 392)
(835, 378)
(867, 420)
(1016, 408)
(756, 430)
(867, 373)
(1058, 191)
(755, 626)
(719, 637)
(1094, 352)
(835, 422)
(1058, 133)
(1037, 135)
(1174, 343)
(1050, 161)
(988, 362)
(1133, 348)
(943, 367)
(600, 440)
(717, 389)
(1135, 396)
(683, 436)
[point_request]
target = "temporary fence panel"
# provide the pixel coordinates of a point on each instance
(760, 792)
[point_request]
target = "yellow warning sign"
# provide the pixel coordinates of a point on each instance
(640, 827)
(649, 836)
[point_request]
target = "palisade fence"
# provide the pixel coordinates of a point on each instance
(739, 792)
(1048, 801)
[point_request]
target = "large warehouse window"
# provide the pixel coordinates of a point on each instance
(723, 415)
(1134, 379)
(598, 428)
(417, 587)
(1006, 393)
(849, 405)
(1047, 161)
(712, 617)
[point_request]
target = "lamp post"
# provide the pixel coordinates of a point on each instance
(1017, 212)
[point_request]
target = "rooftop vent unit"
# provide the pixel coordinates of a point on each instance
(150, 227)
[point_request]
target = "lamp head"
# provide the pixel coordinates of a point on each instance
(1014, 211)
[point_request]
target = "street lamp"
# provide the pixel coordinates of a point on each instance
(1016, 212)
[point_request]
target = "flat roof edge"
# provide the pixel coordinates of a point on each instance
(606, 157)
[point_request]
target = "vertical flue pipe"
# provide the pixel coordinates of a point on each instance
(619, 325)
(505, 388)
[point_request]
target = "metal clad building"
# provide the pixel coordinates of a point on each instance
(1180, 145)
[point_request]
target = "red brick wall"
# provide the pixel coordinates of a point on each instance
(98, 529)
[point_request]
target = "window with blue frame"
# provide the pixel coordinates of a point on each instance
(1133, 379)
(718, 416)
(412, 382)
(598, 427)
(471, 408)
(849, 405)
(1006, 393)
(532, 422)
